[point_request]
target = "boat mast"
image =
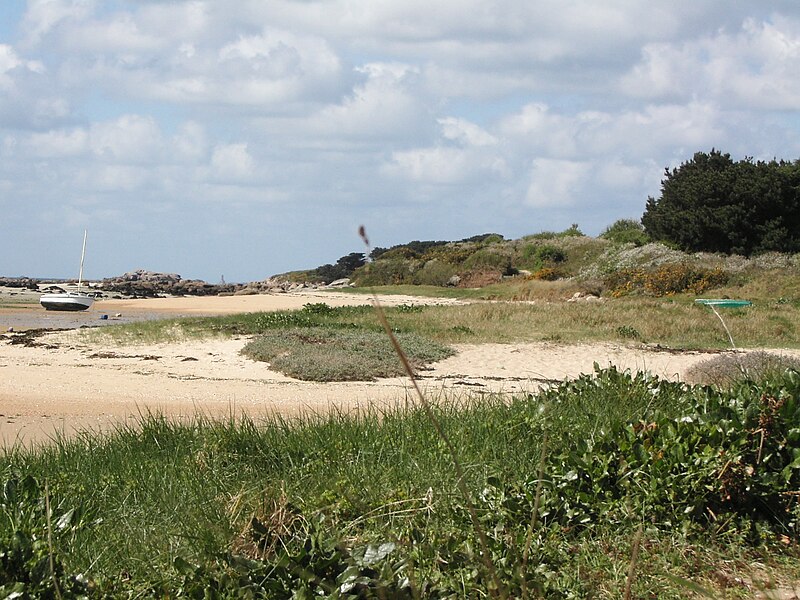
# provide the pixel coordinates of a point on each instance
(83, 253)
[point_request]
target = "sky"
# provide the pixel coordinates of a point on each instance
(237, 140)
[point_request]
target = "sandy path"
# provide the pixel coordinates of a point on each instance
(62, 384)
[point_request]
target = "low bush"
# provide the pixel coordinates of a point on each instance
(626, 231)
(344, 354)
(395, 271)
(547, 274)
(434, 272)
(727, 369)
(536, 257)
(665, 280)
(453, 254)
(572, 231)
(489, 259)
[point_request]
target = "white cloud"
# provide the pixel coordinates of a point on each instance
(120, 35)
(431, 165)
(110, 179)
(385, 105)
(10, 61)
(614, 174)
(276, 66)
(190, 142)
(42, 16)
(129, 139)
(465, 153)
(232, 162)
(59, 143)
(537, 129)
(463, 131)
(753, 67)
(555, 183)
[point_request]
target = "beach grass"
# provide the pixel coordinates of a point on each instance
(675, 322)
(366, 503)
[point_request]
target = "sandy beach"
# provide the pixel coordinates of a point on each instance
(58, 384)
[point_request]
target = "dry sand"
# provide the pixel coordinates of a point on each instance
(63, 385)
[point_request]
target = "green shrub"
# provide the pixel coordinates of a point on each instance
(488, 259)
(398, 253)
(434, 272)
(540, 256)
(626, 231)
(364, 504)
(453, 254)
(384, 272)
(492, 239)
(712, 203)
(29, 566)
(628, 332)
(723, 460)
(547, 274)
(572, 231)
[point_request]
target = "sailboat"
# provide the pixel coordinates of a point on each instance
(69, 300)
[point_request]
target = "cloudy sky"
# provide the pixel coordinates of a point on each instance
(246, 138)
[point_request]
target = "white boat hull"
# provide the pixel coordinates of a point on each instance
(66, 301)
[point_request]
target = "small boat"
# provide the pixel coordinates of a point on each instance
(69, 300)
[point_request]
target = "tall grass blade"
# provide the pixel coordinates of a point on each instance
(637, 540)
(534, 516)
(691, 586)
(460, 476)
(50, 551)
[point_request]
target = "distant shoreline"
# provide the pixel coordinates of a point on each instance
(28, 314)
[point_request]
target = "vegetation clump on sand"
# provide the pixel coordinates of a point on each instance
(726, 370)
(608, 481)
(325, 354)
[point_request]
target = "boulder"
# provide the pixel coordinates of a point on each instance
(340, 283)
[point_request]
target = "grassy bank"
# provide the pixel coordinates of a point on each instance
(701, 483)
(675, 322)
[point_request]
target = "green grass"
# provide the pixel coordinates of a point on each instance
(166, 509)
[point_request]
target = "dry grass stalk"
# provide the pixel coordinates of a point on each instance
(460, 475)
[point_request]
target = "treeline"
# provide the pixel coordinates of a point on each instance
(347, 265)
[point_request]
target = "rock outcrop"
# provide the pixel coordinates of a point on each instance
(149, 284)
(22, 283)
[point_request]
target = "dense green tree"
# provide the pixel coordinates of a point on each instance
(344, 267)
(712, 203)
